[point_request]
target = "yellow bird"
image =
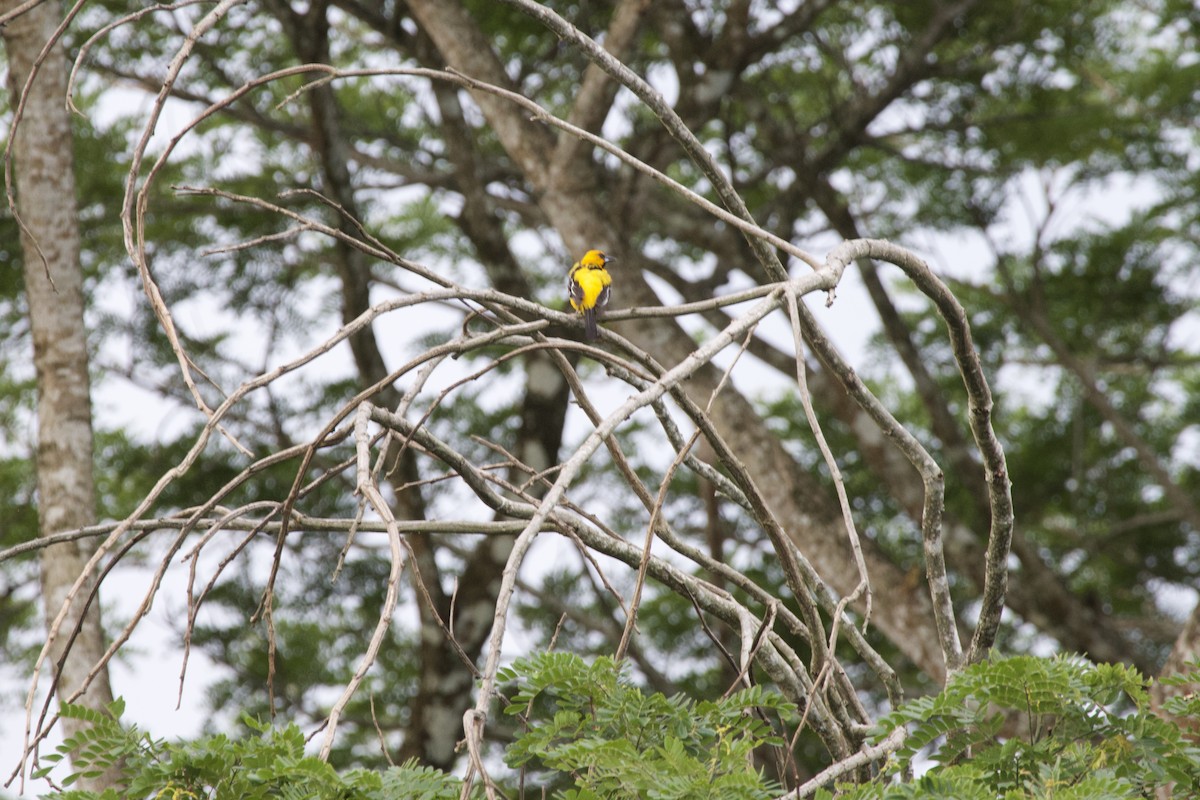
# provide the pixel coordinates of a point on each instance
(590, 286)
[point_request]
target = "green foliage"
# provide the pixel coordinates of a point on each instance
(1014, 728)
(587, 730)
(270, 763)
(590, 722)
(1026, 727)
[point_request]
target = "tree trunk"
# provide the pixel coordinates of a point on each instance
(44, 175)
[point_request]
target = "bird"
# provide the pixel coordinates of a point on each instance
(589, 286)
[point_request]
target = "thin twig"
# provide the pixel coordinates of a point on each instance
(656, 511)
(384, 510)
(864, 584)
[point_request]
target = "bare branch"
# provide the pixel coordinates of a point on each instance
(871, 753)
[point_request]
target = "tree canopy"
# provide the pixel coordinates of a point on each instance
(331, 238)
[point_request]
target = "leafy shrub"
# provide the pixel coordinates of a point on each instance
(591, 731)
(589, 722)
(1010, 728)
(1027, 727)
(272, 765)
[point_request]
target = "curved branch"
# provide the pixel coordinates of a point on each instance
(979, 403)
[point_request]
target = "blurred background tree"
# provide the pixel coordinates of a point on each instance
(1042, 154)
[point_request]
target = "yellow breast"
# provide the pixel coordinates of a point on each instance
(592, 282)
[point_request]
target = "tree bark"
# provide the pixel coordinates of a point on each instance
(43, 169)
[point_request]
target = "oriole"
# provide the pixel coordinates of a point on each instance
(589, 286)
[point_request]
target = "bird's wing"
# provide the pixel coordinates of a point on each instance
(574, 289)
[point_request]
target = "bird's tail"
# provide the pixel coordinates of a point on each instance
(589, 324)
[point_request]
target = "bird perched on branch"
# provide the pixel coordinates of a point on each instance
(589, 286)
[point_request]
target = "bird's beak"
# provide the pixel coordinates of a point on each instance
(607, 259)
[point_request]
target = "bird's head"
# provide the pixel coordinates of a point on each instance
(595, 258)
